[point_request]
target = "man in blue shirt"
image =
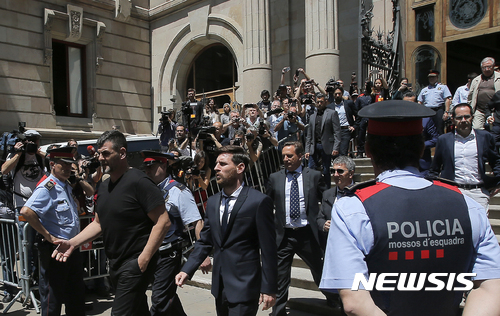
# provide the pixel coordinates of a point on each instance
(52, 212)
(409, 235)
(436, 96)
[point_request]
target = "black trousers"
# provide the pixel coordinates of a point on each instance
(345, 138)
(130, 286)
(165, 300)
(225, 308)
(302, 242)
(61, 283)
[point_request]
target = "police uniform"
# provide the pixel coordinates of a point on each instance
(60, 282)
(434, 97)
(403, 223)
(182, 210)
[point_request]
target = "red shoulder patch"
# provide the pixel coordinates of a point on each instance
(448, 186)
(365, 193)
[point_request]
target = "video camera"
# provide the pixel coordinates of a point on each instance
(331, 85)
(92, 163)
(275, 111)
(308, 99)
(165, 116)
(205, 130)
(186, 108)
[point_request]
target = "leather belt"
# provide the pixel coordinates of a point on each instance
(470, 186)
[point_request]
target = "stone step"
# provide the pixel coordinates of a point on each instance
(363, 162)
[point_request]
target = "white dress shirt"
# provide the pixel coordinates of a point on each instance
(302, 221)
(234, 197)
(466, 165)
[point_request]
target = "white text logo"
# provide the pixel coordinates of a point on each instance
(413, 281)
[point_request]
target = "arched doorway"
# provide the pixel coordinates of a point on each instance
(213, 74)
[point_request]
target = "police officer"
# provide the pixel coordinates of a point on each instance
(52, 212)
(403, 223)
(436, 96)
(182, 211)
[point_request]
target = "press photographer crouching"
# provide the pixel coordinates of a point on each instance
(166, 128)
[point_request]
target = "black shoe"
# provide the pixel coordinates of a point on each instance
(7, 298)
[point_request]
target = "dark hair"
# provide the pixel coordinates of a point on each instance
(264, 92)
(471, 76)
(191, 89)
(409, 94)
(339, 88)
(404, 78)
(115, 137)
(239, 154)
(320, 95)
(180, 125)
(199, 156)
(239, 133)
(299, 148)
(453, 113)
(392, 152)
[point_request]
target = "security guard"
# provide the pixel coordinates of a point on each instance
(401, 223)
(182, 209)
(436, 96)
(52, 212)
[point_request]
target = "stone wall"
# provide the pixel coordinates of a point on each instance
(118, 68)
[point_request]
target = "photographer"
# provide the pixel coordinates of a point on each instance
(289, 124)
(181, 141)
(166, 128)
(81, 188)
(211, 111)
(192, 111)
(403, 88)
(252, 147)
(236, 124)
(273, 115)
(253, 114)
(264, 104)
(199, 175)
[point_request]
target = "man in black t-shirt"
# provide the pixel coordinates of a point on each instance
(132, 218)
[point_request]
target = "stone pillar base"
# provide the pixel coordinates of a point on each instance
(322, 66)
(255, 79)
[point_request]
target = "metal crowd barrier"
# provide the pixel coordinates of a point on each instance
(15, 259)
(14, 255)
(269, 161)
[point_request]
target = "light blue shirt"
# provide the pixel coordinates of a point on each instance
(460, 95)
(351, 235)
(342, 114)
(289, 129)
(56, 208)
(434, 96)
(181, 203)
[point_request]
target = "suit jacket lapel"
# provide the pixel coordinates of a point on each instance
(451, 148)
(234, 212)
(216, 217)
(480, 162)
(323, 120)
(306, 187)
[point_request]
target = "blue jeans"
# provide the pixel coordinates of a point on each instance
(327, 160)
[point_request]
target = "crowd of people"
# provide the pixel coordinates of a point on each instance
(251, 230)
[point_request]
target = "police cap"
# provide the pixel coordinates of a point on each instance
(62, 153)
(395, 117)
(151, 157)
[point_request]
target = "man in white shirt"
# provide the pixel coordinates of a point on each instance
(461, 157)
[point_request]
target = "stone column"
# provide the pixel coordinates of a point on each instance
(257, 54)
(322, 51)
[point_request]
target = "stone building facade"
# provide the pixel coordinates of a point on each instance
(73, 69)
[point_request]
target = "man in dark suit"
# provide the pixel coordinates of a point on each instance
(461, 157)
(296, 192)
(346, 112)
(239, 228)
(195, 118)
(342, 175)
(323, 137)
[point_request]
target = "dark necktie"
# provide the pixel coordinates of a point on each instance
(225, 215)
(294, 197)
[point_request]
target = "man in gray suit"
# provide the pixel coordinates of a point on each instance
(323, 137)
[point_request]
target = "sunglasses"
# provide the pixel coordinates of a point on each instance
(339, 171)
